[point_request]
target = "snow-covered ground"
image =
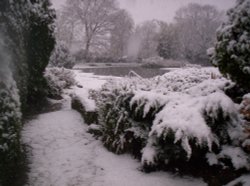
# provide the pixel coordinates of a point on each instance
(62, 153)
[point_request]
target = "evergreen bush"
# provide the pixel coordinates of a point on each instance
(232, 49)
(10, 122)
(40, 44)
(58, 79)
(26, 29)
(61, 57)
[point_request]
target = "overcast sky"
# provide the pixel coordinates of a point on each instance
(142, 10)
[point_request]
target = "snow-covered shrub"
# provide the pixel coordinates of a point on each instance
(61, 57)
(232, 49)
(245, 111)
(111, 106)
(153, 62)
(10, 122)
(245, 106)
(176, 120)
(59, 79)
(189, 79)
(199, 124)
(145, 103)
(122, 129)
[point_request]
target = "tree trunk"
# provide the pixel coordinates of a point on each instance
(87, 57)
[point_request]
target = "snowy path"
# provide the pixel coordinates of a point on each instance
(63, 154)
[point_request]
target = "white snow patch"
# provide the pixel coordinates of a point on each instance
(246, 143)
(243, 181)
(94, 127)
(212, 159)
(149, 155)
(83, 95)
(148, 100)
(246, 96)
(90, 81)
(123, 171)
(238, 157)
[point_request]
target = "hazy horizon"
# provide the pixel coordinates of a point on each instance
(142, 10)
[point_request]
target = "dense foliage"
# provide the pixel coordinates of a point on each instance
(40, 43)
(14, 28)
(10, 121)
(26, 43)
(58, 79)
(168, 42)
(232, 50)
(61, 57)
(173, 121)
(28, 27)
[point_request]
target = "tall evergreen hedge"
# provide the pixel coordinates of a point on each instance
(232, 50)
(26, 42)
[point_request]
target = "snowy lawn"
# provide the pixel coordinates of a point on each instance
(62, 153)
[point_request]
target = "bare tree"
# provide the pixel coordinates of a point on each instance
(168, 42)
(143, 42)
(196, 26)
(122, 29)
(95, 18)
(66, 26)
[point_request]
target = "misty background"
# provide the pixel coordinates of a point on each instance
(147, 31)
(142, 10)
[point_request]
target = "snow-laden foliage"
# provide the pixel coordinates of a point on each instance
(187, 80)
(181, 116)
(28, 27)
(196, 122)
(10, 121)
(113, 116)
(153, 62)
(238, 157)
(244, 180)
(40, 44)
(61, 57)
(14, 26)
(232, 50)
(59, 79)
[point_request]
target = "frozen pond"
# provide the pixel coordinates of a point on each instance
(123, 71)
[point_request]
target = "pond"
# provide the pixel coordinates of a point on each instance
(124, 71)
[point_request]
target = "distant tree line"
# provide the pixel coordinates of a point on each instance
(192, 33)
(91, 31)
